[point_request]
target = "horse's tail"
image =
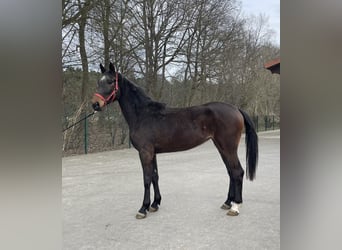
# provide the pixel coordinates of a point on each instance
(251, 140)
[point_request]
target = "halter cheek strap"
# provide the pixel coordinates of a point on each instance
(112, 96)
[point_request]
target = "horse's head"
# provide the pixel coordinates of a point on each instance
(107, 88)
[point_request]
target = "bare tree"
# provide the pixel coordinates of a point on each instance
(211, 28)
(74, 21)
(159, 28)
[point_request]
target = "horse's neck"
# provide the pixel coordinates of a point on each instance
(128, 107)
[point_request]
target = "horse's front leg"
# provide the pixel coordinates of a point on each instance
(146, 158)
(155, 178)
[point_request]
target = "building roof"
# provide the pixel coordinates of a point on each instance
(273, 65)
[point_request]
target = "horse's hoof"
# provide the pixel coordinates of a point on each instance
(225, 206)
(153, 209)
(140, 215)
(232, 212)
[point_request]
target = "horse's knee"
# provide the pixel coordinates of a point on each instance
(147, 183)
(146, 155)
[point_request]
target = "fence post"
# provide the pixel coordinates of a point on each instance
(273, 121)
(265, 120)
(85, 135)
(256, 121)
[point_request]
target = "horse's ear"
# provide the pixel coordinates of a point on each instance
(102, 68)
(111, 67)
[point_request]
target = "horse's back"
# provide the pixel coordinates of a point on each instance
(210, 114)
(219, 107)
(222, 107)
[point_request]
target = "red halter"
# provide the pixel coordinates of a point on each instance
(112, 96)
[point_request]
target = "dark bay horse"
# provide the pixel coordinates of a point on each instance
(155, 128)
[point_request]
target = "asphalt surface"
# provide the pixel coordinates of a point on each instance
(102, 192)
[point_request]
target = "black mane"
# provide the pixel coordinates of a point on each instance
(141, 101)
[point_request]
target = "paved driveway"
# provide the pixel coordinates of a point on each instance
(102, 192)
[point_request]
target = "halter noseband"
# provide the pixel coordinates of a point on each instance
(112, 96)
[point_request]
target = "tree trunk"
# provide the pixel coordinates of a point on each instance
(83, 53)
(106, 39)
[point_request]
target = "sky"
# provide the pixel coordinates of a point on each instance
(270, 8)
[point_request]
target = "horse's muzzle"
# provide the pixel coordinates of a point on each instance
(96, 106)
(97, 103)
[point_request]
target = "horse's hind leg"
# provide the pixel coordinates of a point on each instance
(235, 189)
(155, 178)
(236, 173)
(231, 190)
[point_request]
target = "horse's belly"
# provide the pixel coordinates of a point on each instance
(181, 141)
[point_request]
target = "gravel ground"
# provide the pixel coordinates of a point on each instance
(102, 192)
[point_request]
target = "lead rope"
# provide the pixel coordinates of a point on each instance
(72, 125)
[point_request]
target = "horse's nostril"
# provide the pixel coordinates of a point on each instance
(96, 106)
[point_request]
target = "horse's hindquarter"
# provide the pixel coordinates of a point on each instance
(228, 119)
(229, 125)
